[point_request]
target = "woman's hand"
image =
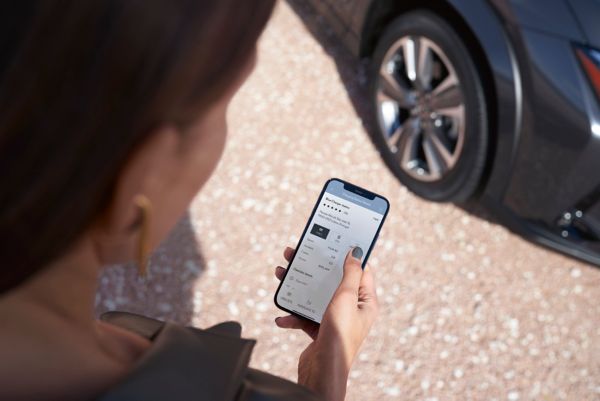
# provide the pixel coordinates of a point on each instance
(325, 363)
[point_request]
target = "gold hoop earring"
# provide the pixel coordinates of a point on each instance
(143, 246)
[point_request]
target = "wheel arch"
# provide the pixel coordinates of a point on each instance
(485, 37)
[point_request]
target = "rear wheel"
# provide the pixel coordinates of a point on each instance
(432, 128)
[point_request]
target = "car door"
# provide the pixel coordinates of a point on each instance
(343, 8)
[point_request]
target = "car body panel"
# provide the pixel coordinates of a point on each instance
(361, 9)
(588, 15)
(334, 19)
(558, 146)
(550, 16)
(343, 8)
(497, 44)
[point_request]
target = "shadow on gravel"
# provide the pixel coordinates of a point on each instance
(167, 291)
(353, 72)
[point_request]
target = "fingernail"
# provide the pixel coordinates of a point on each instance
(357, 252)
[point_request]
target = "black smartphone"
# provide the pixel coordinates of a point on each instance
(345, 216)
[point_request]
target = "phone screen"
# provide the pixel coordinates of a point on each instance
(345, 216)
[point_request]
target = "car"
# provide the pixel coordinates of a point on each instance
(488, 102)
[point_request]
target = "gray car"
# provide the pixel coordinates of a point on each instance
(493, 102)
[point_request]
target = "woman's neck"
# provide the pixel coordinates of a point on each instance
(66, 289)
(50, 341)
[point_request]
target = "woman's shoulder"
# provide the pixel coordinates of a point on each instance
(187, 363)
(45, 358)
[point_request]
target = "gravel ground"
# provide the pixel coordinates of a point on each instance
(468, 310)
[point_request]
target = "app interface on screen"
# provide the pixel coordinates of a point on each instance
(342, 221)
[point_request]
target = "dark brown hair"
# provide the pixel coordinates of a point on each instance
(81, 84)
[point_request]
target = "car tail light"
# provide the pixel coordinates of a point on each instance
(590, 60)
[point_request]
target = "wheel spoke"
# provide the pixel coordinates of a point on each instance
(451, 96)
(425, 64)
(441, 145)
(395, 137)
(448, 82)
(418, 62)
(407, 144)
(410, 49)
(393, 90)
(456, 112)
(384, 97)
(435, 162)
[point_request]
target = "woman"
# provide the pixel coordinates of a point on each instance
(112, 117)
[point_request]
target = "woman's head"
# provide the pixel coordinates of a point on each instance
(102, 100)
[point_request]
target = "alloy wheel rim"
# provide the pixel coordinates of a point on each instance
(420, 107)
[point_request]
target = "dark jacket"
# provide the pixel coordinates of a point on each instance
(186, 363)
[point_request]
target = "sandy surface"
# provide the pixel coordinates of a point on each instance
(468, 310)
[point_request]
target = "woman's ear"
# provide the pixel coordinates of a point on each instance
(149, 171)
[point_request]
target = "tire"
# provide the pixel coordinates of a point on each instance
(437, 150)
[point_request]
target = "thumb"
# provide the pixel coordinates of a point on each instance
(352, 272)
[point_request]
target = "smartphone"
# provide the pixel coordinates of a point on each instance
(345, 216)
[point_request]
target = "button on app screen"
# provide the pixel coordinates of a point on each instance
(341, 222)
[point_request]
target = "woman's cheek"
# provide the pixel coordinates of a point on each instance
(202, 153)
